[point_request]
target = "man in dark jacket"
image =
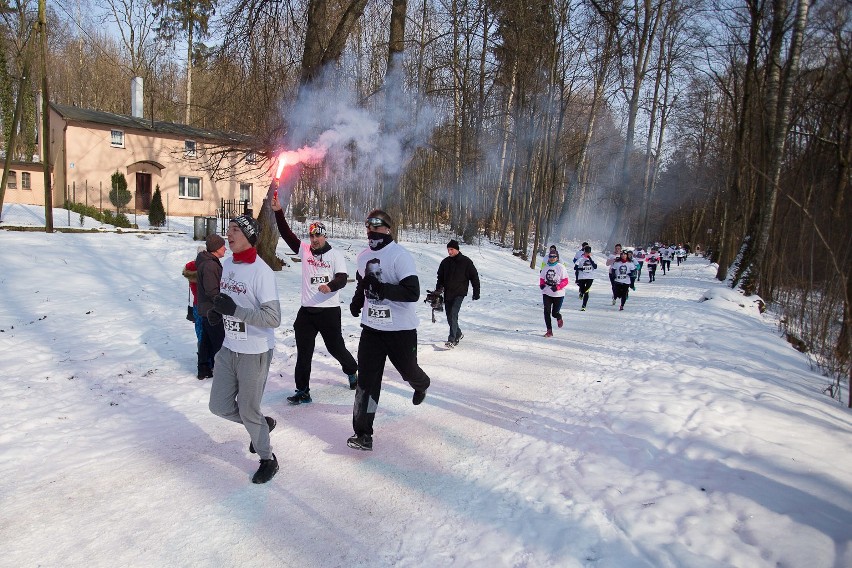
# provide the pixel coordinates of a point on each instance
(209, 274)
(454, 274)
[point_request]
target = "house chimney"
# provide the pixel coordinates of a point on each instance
(137, 103)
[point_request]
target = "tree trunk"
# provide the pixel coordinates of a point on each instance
(13, 134)
(45, 120)
(187, 113)
(779, 91)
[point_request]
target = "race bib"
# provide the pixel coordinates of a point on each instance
(318, 280)
(379, 314)
(235, 329)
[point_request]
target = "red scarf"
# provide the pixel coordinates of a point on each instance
(248, 256)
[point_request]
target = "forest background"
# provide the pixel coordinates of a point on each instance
(723, 124)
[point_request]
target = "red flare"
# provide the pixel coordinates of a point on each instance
(304, 155)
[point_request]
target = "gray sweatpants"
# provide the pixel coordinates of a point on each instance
(238, 383)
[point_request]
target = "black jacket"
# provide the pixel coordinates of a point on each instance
(454, 273)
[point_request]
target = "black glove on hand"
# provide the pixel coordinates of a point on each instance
(374, 286)
(354, 310)
(541, 286)
(224, 304)
(214, 317)
(553, 287)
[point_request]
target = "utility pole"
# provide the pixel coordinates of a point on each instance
(41, 28)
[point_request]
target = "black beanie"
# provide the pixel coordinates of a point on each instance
(248, 226)
(453, 244)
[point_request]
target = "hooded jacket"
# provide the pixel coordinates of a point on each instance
(209, 274)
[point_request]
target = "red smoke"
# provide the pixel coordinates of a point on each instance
(304, 155)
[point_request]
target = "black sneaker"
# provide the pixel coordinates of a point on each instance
(266, 471)
(353, 381)
(270, 421)
(449, 344)
(361, 442)
(204, 372)
(459, 338)
(300, 397)
(418, 397)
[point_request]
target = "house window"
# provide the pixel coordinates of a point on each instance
(117, 138)
(26, 183)
(189, 148)
(12, 180)
(251, 157)
(189, 187)
(245, 192)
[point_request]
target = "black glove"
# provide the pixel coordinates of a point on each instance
(541, 286)
(224, 304)
(354, 310)
(214, 318)
(553, 287)
(374, 286)
(475, 297)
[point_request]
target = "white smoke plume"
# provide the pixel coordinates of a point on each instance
(356, 142)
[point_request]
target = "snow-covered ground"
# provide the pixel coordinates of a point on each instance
(679, 432)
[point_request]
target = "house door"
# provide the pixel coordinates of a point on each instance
(143, 191)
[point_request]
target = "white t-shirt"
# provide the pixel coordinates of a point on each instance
(586, 270)
(553, 275)
(249, 285)
(317, 270)
(390, 264)
(622, 271)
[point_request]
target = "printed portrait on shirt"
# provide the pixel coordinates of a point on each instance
(374, 267)
(550, 277)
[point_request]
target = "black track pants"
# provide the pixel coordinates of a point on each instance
(326, 322)
(374, 349)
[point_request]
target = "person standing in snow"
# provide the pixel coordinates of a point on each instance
(585, 267)
(323, 274)
(622, 269)
(385, 299)
(609, 261)
(455, 272)
(191, 275)
(552, 280)
(250, 309)
(209, 274)
(653, 259)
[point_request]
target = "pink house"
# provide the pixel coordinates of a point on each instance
(195, 168)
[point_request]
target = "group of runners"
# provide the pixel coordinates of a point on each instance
(245, 308)
(625, 269)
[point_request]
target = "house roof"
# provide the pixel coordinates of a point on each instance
(124, 121)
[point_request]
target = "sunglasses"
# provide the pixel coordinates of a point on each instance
(552, 256)
(375, 222)
(317, 229)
